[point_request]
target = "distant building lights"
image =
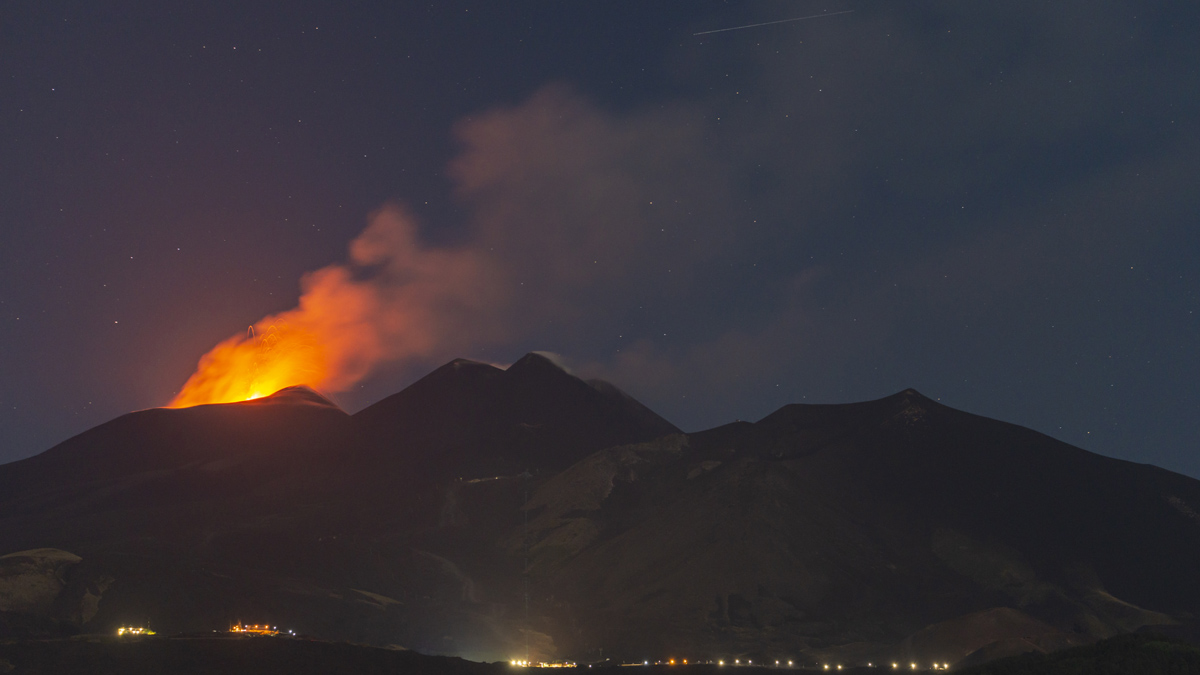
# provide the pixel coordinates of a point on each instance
(254, 630)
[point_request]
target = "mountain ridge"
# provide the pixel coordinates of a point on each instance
(889, 528)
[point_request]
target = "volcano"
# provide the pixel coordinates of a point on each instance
(488, 513)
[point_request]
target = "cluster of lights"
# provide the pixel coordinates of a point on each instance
(521, 663)
(254, 630)
(134, 630)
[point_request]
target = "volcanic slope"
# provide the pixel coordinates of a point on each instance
(477, 419)
(891, 529)
(885, 528)
(210, 514)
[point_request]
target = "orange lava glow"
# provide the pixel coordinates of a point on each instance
(394, 299)
(258, 364)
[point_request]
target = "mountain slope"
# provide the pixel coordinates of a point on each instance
(837, 531)
(473, 417)
(896, 528)
(288, 502)
(147, 457)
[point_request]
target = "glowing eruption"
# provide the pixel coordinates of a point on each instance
(257, 365)
(394, 299)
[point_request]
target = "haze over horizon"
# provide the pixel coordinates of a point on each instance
(995, 206)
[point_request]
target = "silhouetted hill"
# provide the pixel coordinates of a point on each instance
(473, 417)
(157, 456)
(296, 418)
(838, 530)
(1123, 655)
(889, 529)
(198, 655)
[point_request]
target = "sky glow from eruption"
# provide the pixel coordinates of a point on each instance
(394, 299)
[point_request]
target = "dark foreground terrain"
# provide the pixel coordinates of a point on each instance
(1122, 655)
(205, 656)
(1144, 654)
(103, 655)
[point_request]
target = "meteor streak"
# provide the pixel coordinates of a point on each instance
(771, 23)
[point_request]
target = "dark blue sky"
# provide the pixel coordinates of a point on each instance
(997, 205)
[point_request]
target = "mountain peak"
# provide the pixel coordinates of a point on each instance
(541, 361)
(535, 414)
(460, 363)
(300, 394)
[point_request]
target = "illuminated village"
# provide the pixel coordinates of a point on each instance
(735, 663)
(246, 629)
(252, 630)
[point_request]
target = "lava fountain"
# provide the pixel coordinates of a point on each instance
(258, 364)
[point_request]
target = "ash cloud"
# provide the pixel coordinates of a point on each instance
(577, 216)
(893, 200)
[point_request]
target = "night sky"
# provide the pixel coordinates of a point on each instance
(997, 204)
